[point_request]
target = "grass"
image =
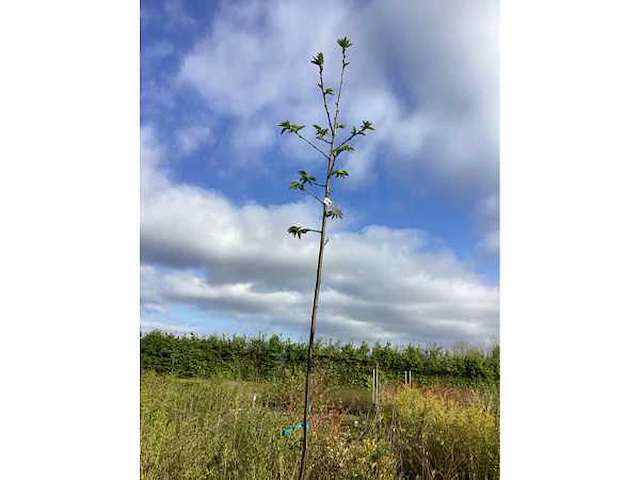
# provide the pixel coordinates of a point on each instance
(219, 429)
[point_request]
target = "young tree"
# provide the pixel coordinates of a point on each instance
(327, 143)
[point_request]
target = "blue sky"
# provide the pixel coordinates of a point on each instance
(416, 257)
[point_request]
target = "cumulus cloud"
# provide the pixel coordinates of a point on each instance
(153, 167)
(491, 242)
(200, 249)
(193, 137)
(489, 219)
(426, 73)
(148, 326)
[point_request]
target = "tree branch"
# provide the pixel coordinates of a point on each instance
(344, 64)
(353, 135)
(313, 145)
(326, 107)
(313, 195)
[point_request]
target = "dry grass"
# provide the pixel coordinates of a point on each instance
(214, 429)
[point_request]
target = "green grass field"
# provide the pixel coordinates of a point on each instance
(222, 429)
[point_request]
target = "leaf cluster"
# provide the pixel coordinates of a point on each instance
(318, 59)
(344, 42)
(298, 231)
(304, 179)
(321, 132)
(345, 147)
(333, 212)
(289, 127)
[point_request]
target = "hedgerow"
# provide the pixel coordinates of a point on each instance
(255, 358)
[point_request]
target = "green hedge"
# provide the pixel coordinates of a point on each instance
(349, 364)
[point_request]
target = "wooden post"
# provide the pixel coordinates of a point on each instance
(375, 387)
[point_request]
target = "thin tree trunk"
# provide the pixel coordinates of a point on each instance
(314, 314)
(331, 158)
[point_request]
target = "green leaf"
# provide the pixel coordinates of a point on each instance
(334, 212)
(318, 59)
(286, 125)
(340, 125)
(320, 132)
(297, 230)
(367, 125)
(328, 91)
(340, 173)
(347, 147)
(344, 42)
(296, 128)
(296, 185)
(305, 177)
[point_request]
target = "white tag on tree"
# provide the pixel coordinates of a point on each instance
(327, 201)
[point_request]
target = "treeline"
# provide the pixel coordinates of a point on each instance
(348, 364)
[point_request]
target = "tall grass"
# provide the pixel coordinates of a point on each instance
(442, 437)
(196, 429)
(221, 429)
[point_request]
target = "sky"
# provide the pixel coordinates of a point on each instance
(416, 257)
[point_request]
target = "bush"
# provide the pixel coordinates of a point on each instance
(346, 365)
(333, 457)
(443, 438)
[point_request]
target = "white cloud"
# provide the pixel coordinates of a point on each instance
(489, 217)
(426, 74)
(491, 242)
(153, 171)
(252, 58)
(147, 326)
(200, 249)
(193, 137)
